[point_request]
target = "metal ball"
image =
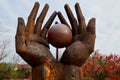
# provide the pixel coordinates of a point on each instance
(60, 35)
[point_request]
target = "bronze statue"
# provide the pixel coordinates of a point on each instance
(33, 46)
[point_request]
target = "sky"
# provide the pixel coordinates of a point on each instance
(106, 12)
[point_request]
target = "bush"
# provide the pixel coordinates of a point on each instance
(5, 69)
(9, 71)
(88, 78)
(102, 67)
(23, 73)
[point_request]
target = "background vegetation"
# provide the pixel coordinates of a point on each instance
(102, 67)
(12, 71)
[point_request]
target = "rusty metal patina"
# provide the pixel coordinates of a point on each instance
(33, 46)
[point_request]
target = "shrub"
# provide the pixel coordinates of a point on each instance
(102, 67)
(5, 69)
(9, 71)
(88, 78)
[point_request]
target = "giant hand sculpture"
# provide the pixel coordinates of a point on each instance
(32, 45)
(83, 37)
(31, 42)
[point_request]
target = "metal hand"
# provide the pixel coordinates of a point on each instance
(31, 42)
(83, 41)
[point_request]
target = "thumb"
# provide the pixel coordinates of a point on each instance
(20, 34)
(91, 34)
(20, 26)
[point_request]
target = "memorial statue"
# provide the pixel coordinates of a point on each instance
(33, 46)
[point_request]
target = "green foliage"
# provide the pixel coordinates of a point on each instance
(5, 70)
(23, 72)
(14, 74)
(10, 71)
(88, 78)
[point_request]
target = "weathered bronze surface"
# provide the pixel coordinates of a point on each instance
(33, 46)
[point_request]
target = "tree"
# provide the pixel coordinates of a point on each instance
(3, 47)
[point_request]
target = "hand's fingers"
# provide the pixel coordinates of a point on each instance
(62, 19)
(91, 35)
(41, 19)
(72, 20)
(47, 25)
(20, 34)
(34, 11)
(81, 20)
(31, 19)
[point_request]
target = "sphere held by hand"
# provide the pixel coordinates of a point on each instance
(60, 35)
